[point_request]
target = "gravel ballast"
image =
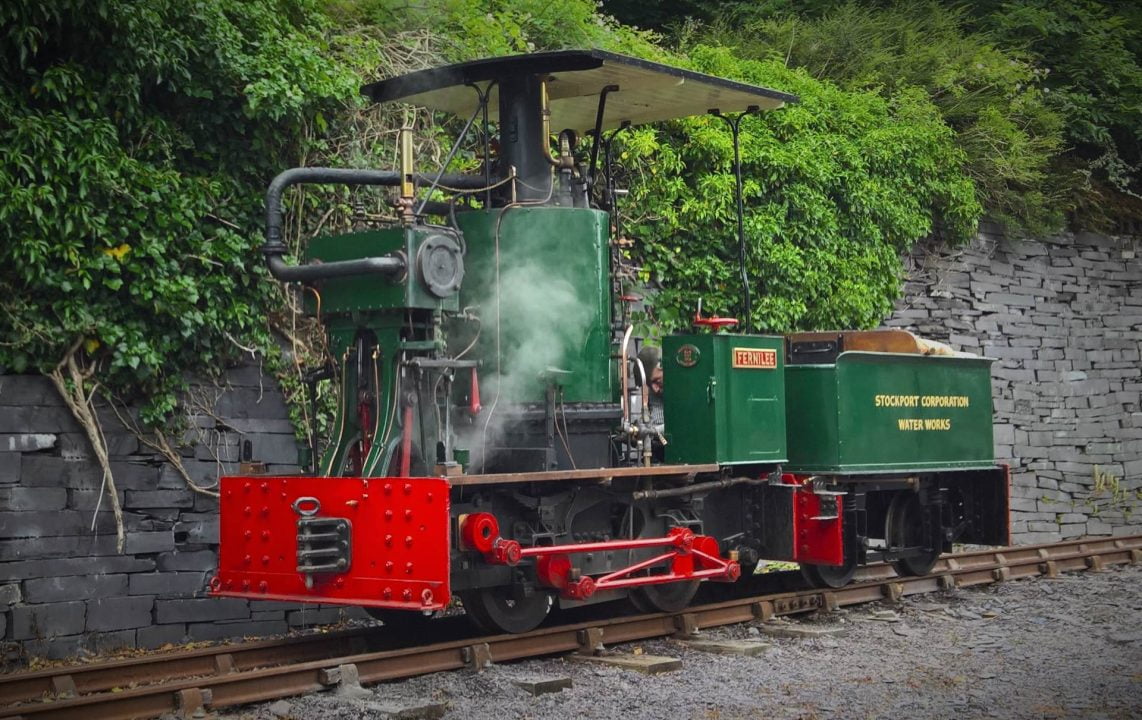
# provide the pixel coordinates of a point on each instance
(1044, 648)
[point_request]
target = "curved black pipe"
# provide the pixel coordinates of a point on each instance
(274, 248)
(312, 272)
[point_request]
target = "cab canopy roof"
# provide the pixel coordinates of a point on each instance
(647, 91)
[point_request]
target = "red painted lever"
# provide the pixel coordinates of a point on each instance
(474, 396)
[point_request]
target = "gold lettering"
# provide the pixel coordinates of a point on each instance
(956, 401)
(924, 423)
(762, 358)
(933, 401)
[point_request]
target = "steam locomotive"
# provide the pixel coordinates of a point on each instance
(490, 443)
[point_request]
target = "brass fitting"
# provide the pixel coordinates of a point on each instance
(407, 185)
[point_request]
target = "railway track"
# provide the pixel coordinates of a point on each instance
(187, 682)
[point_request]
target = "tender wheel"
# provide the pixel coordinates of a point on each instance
(830, 576)
(905, 528)
(504, 610)
(668, 597)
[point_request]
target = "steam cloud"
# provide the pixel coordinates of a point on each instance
(544, 322)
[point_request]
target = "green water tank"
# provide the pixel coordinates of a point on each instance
(724, 398)
(873, 412)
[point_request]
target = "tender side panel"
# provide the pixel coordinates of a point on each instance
(377, 542)
(890, 412)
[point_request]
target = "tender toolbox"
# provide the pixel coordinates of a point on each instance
(877, 412)
(724, 399)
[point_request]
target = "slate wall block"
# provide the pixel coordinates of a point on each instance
(201, 610)
(156, 636)
(168, 584)
(119, 613)
(49, 620)
(71, 587)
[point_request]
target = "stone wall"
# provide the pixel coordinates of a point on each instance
(63, 588)
(1063, 319)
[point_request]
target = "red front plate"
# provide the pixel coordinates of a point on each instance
(399, 545)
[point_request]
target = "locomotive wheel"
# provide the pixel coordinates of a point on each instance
(502, 610)
(830, 576)
(668, 597)
(905, 528)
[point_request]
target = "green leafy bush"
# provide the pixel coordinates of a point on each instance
(990, 96)
(1089, 58)
(836, 188)
(137, 140)
(469, 31)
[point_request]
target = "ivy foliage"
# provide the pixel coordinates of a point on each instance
(137, 139)
(469, 31)
(991, 97)
(1089, 58)
(836, 187)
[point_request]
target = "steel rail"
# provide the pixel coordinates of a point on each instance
(265, 670)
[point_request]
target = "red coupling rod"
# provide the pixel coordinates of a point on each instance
(480, 532)
(680, 538)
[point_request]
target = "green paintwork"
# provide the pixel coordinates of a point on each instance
(352, 305)
(374, 292)
(835, 424)
(715, 412)
(554, 304)
(382, 370)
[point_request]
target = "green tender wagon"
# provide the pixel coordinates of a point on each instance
(876, 412)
